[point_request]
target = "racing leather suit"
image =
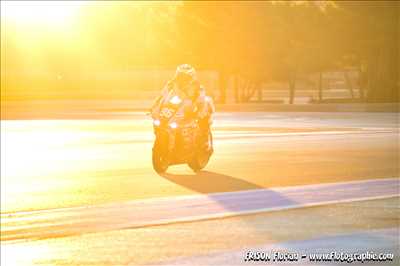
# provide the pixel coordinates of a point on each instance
(198, 105)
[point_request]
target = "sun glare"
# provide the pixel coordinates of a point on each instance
(50, 13)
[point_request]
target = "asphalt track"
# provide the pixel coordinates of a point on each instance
(380, 241)
(83, 184)
(50, 164)
(81, 220)
(357, 226)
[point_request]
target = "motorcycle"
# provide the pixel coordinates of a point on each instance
(180, 136)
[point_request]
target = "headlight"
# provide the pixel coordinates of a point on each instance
(173, 125)
(156, 122)
(175, 100)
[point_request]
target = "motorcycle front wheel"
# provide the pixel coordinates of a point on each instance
(160, 163)
(202, 155)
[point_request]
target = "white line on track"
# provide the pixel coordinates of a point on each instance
(152, 212)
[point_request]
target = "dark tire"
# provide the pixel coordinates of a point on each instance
(160, 164)
(202, 155)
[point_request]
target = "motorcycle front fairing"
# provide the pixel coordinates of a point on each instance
(173, 129)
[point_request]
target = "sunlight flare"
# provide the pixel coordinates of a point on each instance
(52, 13)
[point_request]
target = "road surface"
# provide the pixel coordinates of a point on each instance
(182, 243)
(143, 213)
(65, 163)
(56, 172)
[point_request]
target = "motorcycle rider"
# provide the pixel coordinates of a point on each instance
(184, 76)
(197, 104)
(203, 108)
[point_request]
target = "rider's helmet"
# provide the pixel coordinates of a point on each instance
(185, 74)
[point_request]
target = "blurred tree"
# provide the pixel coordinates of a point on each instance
(254, 41)
(247, 42)
(373, 34)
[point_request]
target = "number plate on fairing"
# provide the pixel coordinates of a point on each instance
(166, 112)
